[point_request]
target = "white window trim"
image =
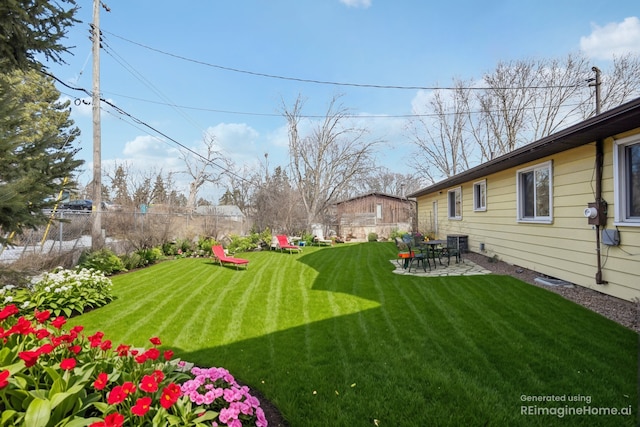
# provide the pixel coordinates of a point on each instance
(539, 219)
(458, 217)
(620, 182)
(477, 208)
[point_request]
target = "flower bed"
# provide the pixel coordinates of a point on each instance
(49, 376)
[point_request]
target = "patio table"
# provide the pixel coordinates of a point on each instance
(432, 248)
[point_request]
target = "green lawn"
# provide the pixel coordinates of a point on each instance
(334, 338)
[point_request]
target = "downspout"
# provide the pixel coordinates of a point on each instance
(601, 206)
(600, 203)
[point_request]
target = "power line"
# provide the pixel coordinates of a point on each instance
(326, 82)
(143, 123)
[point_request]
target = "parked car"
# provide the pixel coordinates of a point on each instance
(78, 205)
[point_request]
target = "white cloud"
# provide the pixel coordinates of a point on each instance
(238, 141)
(357, 3)
(615, 38)
(149, 147)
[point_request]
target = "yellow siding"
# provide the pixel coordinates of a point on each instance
(565, 249)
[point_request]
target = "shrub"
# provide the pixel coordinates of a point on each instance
(133, 260)
(372, 237)
(204, 244)
(62, 292)
(52, 377)
(102, 260)
(243, 244)
(149, 255)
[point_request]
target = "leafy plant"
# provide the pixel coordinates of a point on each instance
(102, 260)
(52, 377)
(205, 244)
(372, 237)
(62, 291)
(149, 255)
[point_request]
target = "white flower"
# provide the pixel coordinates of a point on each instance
(25, 304)
(8, 299)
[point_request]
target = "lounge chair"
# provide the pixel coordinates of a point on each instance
(283, 243)
(222, 258)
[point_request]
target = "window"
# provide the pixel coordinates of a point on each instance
(626, 164)
(454, 198)
(480, 196)
(379, 211)
(534, 193)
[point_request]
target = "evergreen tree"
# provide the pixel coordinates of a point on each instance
(31, 27)
(36, 148)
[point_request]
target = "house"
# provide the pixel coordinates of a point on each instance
(566, 206)
(374, 213)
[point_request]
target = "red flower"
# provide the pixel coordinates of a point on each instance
(42, 316)
(3, 378)
(68, 364)
(155, 341)
(115, 396)
(141, 358)
(149, 384)
(170, 395)
(142, 406)
(168, 354)
(106, 345)
(75, 349)
(152, 353)
(96, 339)
(158, 375)
(42, 334)
(45, 349)
(111, 420)
(129, 387)
(58, 322)
(9, 310)
(123, 350)
(22, 327)
(77, 329)
(101, 381)
(30, 357)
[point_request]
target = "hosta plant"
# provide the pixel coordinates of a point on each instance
(53, 377)
(62, 292)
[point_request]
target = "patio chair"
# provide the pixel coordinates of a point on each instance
(452, 249)
(283, 243)
(222, 258)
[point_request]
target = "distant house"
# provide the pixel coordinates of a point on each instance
(374, 213)
(567, 205)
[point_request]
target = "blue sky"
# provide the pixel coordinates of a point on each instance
(167, 64)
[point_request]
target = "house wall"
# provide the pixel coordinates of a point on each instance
(564, 249)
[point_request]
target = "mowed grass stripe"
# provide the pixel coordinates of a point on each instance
(418, 351)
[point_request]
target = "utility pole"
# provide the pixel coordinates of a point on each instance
(597, 83)
(96, 227)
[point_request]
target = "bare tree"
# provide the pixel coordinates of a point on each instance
(325, 160)
(204, 168)
(442, 147)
